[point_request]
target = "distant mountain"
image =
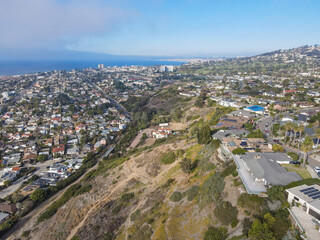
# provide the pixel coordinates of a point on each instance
(70, 55)
(312, 51)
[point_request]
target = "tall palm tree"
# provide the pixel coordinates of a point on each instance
(286, 130)
(306, 147)
(290, 127)
(317, 136)
(301, 129)
(295, 129)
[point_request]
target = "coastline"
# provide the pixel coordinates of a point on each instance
(21, 67)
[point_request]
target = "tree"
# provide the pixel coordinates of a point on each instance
(204, 135)
(214, 233)
(306, 147)
(38, 195)
(7, 183)
(260, 231)
(277, 148)
(287, 128)
(42, 158)
(186, 165)
(318, 139)
(295, 129)
(301, 129)
(239, 151)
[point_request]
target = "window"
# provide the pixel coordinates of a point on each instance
(314, 214)
(296, 199)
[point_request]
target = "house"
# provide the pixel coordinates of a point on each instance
(230, 133)
(242, 113)
(232, 122)
(261, 170)
(59, 150)
(4, 217)
(29, 157)
(305, 211)
(30, 188)
(308, 197)
(7, 174)
(72, 151)
(157, 134)
(8, 207)
(60, 169)
(256, 109)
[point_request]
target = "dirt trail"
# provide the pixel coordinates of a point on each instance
(40, 208)
(97, 205)
(133, 174)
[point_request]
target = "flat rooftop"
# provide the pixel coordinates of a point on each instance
(310, 194)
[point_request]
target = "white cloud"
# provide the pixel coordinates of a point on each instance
(35, 24)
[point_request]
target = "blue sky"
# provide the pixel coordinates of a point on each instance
(158, 27)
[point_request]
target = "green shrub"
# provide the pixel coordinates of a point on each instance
(204, 135)
(252, 202)
(214, 233)
(308, 181)
(39, 195)
(192, 192)
(277, 148)
(226, 213)
(211, 189)
(168, 158)
(72, 191)
(168, 183)
(135, 215)
(239, 151)
(293, 155)
(234, 222)
(126, 197)
(176, 197)
(228, 170)
(255, 134)
(26, 233)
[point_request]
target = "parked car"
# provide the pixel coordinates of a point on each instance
(317, 169)
(295, 162)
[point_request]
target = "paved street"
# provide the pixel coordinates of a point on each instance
(41, 167)
(312, 161)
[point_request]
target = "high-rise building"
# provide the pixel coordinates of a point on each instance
(165, 68)
(101, 66)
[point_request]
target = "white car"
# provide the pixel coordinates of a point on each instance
(317, 169)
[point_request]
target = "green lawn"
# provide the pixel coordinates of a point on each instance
(301, 171)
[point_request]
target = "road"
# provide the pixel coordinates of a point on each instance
(312, 161)
(40, 167)
(118, 106)
(38, 209)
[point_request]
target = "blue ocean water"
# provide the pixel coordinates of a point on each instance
(33, 66)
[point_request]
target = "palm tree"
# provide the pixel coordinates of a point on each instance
(306, 147)
(295, 129)
(301, 129)
(317, 136)
(286, 129)
(290, 128)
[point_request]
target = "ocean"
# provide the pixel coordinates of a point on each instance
(33, 66)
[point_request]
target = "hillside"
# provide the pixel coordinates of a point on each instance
(152, 192)
(281, 63)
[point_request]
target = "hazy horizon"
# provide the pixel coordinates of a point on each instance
(54, 29)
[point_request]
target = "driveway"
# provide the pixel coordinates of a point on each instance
(303, 220)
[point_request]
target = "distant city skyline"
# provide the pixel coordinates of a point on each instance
(184, 28)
